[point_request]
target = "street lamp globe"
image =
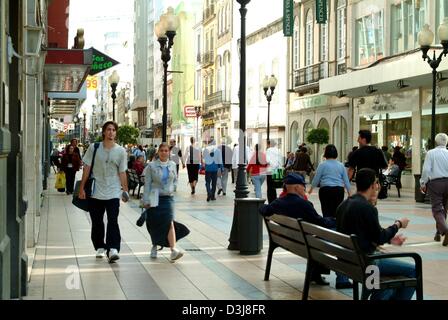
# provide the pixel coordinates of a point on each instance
(114, 78)
(443, 31)
(425, 36)
(273, 82)
(265, 83)
(171, 20)
(159, 29)
(75, 119)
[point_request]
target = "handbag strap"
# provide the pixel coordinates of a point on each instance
(96, 146)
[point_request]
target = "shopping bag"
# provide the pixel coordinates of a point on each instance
(277, 177)
(60, 181)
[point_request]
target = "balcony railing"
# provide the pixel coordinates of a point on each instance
(215, 99)
(207, 58)
(208, 13)
(311, 74)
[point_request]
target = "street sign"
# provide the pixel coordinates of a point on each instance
(189, 112)
(60, 135)
(101, 62)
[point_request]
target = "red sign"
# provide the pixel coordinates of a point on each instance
(189, 112)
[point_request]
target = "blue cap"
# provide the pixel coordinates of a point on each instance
(294, 178)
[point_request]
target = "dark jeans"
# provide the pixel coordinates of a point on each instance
(113, 238)
(330, 198)
(69, 179)
(394, 267)
(272, 192)
(210, 182)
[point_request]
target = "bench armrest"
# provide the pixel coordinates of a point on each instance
(417, 258)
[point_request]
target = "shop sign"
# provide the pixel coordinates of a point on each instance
(288, 18)
(92, 83)
(321, 11)
(311, 102)
(190, 112)
(101, 62)
(208, 122)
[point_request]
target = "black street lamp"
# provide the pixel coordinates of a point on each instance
(165, 31)
(269, 83)
(75, 121)
(425, 39)
(114, 79)
(197, 109)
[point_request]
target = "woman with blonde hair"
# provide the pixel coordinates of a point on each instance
(160, 183)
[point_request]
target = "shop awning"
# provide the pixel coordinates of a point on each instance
(406, 72)
(66, 69)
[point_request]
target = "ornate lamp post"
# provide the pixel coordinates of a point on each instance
(269, 87)
(114, 79)
(84, 117)
(425, 39)
(197, 109)
(75, 121)
(165, 31)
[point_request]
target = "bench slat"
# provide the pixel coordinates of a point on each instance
(353, 271)
(284, 221)
(329, 235)
(289, 245)
(333, 249)
(286, 232)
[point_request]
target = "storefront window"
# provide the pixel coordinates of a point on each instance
(340, 137)
(389, 118)
(307, 127)
(294, 134)
(369, 38)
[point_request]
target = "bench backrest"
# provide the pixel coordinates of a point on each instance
(337, 251)
(285, 232)
(133, 176)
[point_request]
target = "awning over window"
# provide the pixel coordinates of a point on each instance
(66, 69)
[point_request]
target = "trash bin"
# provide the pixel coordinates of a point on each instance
(419, 196)
(250, 225)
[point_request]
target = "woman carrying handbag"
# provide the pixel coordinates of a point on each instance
(160, 183)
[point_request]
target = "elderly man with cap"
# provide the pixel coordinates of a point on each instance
(294, 205)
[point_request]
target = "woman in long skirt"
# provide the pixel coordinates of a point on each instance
(160, 183)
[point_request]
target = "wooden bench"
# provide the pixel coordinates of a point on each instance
(341, 253)
(284, 232)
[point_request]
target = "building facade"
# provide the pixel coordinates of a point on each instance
(389, 85)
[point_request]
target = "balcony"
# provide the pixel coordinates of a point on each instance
(215, 99)
(207, 59)
(311, 74)
(209, 14)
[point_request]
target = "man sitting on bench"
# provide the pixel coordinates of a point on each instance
(357, 215)
(294, 205)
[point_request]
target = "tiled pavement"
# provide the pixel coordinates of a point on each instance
(207, 270)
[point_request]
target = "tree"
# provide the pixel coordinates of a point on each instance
(319, 136)
(127, 134)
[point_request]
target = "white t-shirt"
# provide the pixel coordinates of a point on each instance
(108, 164)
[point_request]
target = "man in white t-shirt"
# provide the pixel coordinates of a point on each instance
(275, 161)
(109, 171)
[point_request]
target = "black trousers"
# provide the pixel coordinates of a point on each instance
(113, 237)
(272, 192)
(210, 183)
(330, 198)
(69, 179)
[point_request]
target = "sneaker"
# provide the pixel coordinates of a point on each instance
(219, 191)
(100, 253)
(113, 255)
(176, 254)
(153, 252)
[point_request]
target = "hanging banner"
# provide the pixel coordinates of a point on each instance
(321, 11)
(288, 18)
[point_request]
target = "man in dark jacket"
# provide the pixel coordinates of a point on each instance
(358, 216)
(295, 206)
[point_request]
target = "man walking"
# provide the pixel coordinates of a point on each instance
(226, 154)
(366, 156)
(193, 160)
(434, 180)
(213, 163)
(176, 155)
(109, 172)
(275, 161)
